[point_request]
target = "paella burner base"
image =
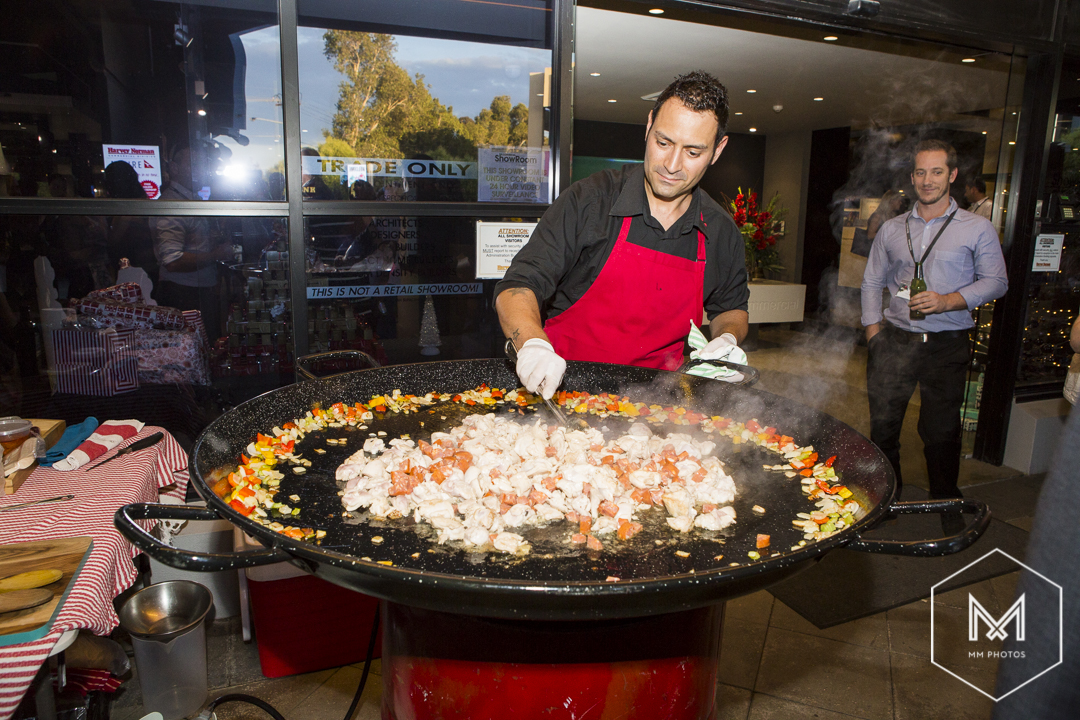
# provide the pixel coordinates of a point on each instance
(442, 665)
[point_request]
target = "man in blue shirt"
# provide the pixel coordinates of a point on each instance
(963, 268)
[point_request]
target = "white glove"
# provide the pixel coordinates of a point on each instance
(721, 348)
(540, 367)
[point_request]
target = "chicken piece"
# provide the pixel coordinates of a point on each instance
(682, 523)
(510, 543)
(678, 503)
(718, 519)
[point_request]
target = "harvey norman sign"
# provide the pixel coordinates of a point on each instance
(364, 168)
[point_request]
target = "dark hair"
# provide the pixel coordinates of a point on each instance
(308, 151)
(122, 181)
(936, 146)
(700, 92)
(978, 183)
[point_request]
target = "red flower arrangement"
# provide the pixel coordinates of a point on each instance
(759, 228)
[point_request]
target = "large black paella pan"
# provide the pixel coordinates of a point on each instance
(658, 570)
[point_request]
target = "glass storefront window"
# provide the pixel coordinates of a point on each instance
(234, 271)
(421, 111)
(403, 289)
(187, 94)
(1053, 299)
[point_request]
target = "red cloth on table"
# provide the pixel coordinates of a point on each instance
(98, 493)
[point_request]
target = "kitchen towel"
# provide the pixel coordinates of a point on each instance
(108, 435)
(71, 439)
(716, 372)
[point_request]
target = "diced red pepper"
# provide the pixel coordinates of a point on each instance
(240, 507)
(762, 541)
(830, 461)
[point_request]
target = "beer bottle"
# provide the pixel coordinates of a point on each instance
(918, 285)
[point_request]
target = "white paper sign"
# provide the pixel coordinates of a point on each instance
(1047, 253)
(146, 159)
(366, 291)
(512, 174)
(497, 244)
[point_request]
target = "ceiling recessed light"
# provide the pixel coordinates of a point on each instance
(830, 38)
(656, 11)
(202, 112)
(753, 129)
(613, 101)
(1012, 142)
(818, 99)
(595, 74)
(984, 132)
(968, 60)
(751, 91)
(738, 113)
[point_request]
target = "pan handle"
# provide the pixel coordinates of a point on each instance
(304, 360)
(183, 559)
(931, 548)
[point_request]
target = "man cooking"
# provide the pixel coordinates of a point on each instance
(923, 338)
(625, 260)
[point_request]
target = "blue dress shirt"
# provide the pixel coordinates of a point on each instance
(967, 259)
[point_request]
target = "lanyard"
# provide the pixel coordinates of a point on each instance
(907, 229)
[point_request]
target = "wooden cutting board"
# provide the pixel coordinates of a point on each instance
(65, 554)
(51, 432)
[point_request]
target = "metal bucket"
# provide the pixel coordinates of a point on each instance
(165, 621)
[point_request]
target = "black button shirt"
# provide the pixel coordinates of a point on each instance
(575, 236)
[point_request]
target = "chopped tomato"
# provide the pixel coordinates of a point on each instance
(762, 541)
(830, 461)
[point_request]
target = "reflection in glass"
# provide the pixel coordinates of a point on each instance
(401, 288)
(137, 84)
(394, 117)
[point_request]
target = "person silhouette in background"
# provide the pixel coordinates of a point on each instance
(128, 236)
(978, 203)
(188, 255)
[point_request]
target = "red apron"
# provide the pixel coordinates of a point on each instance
(638, 310)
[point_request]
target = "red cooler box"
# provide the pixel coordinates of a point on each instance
(303, 623)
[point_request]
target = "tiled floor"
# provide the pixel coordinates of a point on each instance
(774, 664)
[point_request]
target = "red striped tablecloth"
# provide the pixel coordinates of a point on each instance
(98, 493)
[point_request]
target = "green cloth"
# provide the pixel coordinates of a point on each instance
(715, 372)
